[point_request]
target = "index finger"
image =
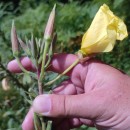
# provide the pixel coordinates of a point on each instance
(59, 63)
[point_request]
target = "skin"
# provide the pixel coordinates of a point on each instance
(95, 95)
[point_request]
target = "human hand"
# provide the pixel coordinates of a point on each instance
(96, 94)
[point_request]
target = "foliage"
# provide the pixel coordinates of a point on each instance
(73, 19)
(11, 107)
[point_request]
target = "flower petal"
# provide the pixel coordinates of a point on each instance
(105, 29)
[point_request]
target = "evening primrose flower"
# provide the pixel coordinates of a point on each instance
(102, 34)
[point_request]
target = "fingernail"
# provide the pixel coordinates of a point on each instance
(42, 104)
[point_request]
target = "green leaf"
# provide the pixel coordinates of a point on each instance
(117, 3)
(37, 122)
(20, 111)
(29, 101)
(26, 79)
(8, 113)
(49, 125)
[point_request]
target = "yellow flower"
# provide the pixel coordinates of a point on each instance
(105, 29)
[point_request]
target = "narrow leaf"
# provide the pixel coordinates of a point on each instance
(49, 125)
(29, 101)
(25, 47)
(33, 47)
(37, 122)
(31, 94)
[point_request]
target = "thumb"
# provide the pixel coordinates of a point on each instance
(82, 105)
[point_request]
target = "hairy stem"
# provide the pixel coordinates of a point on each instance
(60, 75)
(40, 87)
(44, 60)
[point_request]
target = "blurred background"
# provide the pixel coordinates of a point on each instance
(73, 18)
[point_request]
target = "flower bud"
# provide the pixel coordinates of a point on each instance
(5, 84)
(50, 24)
(14, 40)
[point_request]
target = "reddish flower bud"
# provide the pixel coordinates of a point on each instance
(50, 24)
(14, 40)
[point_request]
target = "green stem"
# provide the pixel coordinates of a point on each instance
(23, 69)
(60, 75)
(43, 123)
(44, 59)
(48, 61)
(40, 87)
